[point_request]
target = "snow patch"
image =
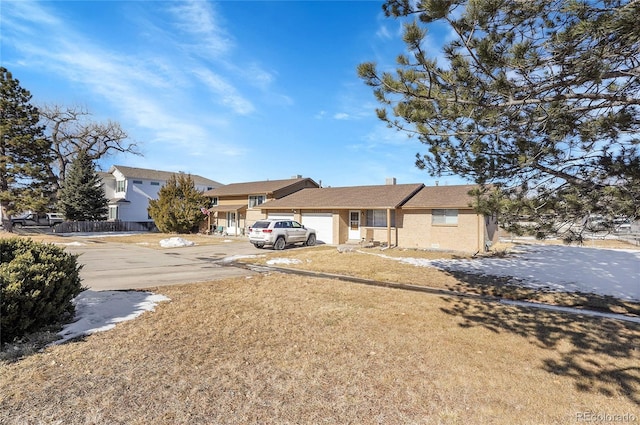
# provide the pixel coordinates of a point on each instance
(233, 258)
(613, 272)
(99, 311)
(283, 261)
(175, 242)
(70, 243)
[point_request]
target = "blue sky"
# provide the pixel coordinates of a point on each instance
(233, 91)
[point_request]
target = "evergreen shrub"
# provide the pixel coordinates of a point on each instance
(38, 281)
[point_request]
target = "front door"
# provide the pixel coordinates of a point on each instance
(354, 225)
(231, 224)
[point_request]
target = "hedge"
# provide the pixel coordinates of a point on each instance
(38, 282)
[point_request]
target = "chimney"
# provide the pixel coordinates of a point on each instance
(390, 181)
(297, 176)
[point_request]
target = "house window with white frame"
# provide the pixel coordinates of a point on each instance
(444, 216)
(255, 200)
(113, 212)
(214, 202)
(378, 218)
(120, 186)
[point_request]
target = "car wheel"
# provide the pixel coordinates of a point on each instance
(258, 245)
(18, 225)
(311, 241)
(280, 244)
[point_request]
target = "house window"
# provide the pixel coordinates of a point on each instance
(120, 186)
(444, 217)
(214, 202)
(255, 200)
(155, 183)
(113, 213)
(378, 218)
(137, 182)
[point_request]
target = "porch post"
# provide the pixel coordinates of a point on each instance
(389, 227)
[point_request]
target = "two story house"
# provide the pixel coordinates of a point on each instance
(236, 206)
(130, 189)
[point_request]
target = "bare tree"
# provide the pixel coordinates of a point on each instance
(71, 131)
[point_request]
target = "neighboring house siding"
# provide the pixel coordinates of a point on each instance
(254, 214)
(138, 194)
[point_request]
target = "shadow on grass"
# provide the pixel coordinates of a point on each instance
(600, 355)
(509, 288)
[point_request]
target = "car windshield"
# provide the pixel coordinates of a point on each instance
(260, 225)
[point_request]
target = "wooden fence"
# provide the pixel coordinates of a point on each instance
(102, 226)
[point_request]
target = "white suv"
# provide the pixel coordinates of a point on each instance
(280, 233)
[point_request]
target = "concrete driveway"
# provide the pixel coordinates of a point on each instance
(117, 266)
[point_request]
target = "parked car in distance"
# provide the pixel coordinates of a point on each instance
(279, 233)
(37, 219)
(622, 224)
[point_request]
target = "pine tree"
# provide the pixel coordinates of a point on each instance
(24, 152)
(82, 197)
(178, 207)
(540, 98)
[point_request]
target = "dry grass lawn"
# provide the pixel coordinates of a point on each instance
(285, 349)
(288, 349)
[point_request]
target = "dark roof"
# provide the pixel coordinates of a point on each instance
(143, 173)
(356, 197)
(259, 187)
(456, 196)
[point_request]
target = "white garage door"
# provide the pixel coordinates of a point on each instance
(281, 216)
(322, 223)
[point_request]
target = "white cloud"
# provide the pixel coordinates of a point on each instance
(198, 19)
(228, 94)
(150, 91)
(27, 11)
(258, 76)
(383, 32)
(341, 116)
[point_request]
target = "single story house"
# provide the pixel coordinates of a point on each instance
(236, 206)
(403, 215)
(342, 214)
(130, 189)
(442, 217)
